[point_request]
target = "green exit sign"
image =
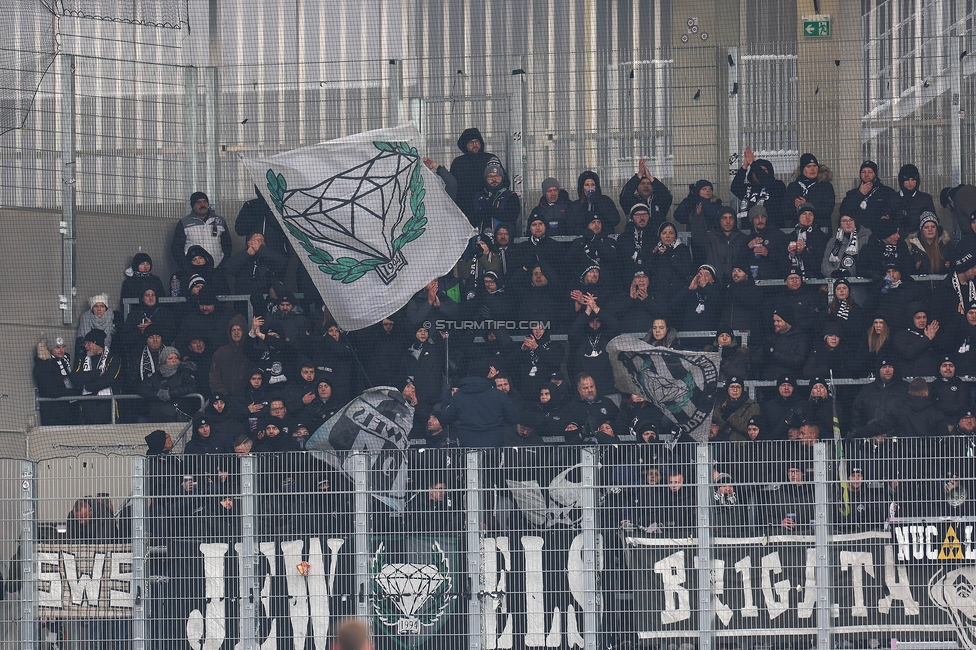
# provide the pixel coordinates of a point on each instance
(816, 26)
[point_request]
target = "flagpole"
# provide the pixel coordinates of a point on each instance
(845, 507)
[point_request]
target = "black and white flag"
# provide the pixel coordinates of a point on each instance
(378, 422)
(680, 383)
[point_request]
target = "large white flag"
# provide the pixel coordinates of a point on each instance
(370, 222)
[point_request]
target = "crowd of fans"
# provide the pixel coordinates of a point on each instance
(530, 395)
(280, 376)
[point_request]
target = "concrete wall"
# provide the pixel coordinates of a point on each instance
(31, 263)
(831, 70)
(700, 96)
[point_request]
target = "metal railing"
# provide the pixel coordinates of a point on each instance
(127, 303)
(589, 547)
(113, 398)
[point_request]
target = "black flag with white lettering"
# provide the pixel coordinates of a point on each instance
(378, 421)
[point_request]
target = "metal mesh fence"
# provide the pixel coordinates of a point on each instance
(749, 544)
(148, 133)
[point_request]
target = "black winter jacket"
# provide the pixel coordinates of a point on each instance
(761, 188)
(482, 413)
(913, 416)
(660, 200)
(256, 216)
(819, 193)
(584, 207)
(556, 215)
(469, 171)
(918, 353)
(785, 354)
(721, 251)
(876, 399)
(881, 200)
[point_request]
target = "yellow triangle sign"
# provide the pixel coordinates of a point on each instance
(951, 548)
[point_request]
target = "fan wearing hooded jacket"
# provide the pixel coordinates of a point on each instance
(138, 278)
(910, 202)
(481, 411)
(670, 262)
(229, 363)
(755, 184)
(469, 169)
(543, 296)
(252, 401)
(700, 206)
(198, 262)
(592, 201)
(588, 338)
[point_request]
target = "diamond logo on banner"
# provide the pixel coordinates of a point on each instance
(371, 223)
(410, 586)
(412, 599)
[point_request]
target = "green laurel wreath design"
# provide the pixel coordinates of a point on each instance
(348, 269)
(443, 596)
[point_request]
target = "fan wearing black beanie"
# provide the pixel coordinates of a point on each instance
(887, 246)
(871, 199)
(139, 277)
(787, 348)
(201, 227)
(811, 185)
(701, 205)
